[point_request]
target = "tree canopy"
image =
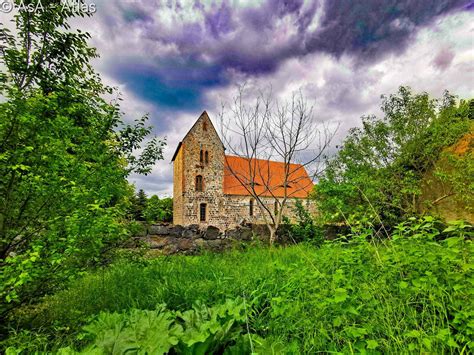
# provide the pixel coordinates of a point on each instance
(377, 173)
(65, 154)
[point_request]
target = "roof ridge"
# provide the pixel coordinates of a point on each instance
(259, 159)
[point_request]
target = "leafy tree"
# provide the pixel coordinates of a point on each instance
(159, 210)
(138, 205)
(64, 157)
(377, 173)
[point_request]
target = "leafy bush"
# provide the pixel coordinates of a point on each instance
(305, 229)
(201, 330)
(159, 210)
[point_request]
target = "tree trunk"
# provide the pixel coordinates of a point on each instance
(272, 234)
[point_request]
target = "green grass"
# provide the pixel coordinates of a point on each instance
(408, 295)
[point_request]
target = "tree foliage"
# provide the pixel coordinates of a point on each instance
(377, 173)
(137, 206)
(64, 157)
(159, 210)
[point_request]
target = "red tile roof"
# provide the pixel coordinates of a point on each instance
(268, 175)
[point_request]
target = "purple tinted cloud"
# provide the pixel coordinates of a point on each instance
(219, 21)
(257, 40)
(368, 29)
(443, 59)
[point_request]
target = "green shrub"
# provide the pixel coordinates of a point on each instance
(379, 170)
(305, 228)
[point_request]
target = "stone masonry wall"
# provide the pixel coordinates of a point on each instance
(237, 210)
(202, 136)
(193, 239)
(166, 239)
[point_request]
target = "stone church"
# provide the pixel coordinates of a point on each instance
(206, 187)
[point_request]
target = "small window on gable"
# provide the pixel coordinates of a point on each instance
(251, 207)
(204, 126)
(199, 183)
(202, 212)
(201, 156)
(206, 157)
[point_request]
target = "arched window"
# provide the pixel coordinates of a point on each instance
(251, 207)
(202, 212)
(206, 157)
(199, 183)
(201, 156)
(204, 126)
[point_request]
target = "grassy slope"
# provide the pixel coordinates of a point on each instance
(405, 295)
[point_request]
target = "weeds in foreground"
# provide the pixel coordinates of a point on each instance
(411, 293)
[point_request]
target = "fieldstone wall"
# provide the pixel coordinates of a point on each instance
(167, 239)
(193, 239)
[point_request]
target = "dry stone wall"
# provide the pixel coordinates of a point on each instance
(167, 239)
(193, 239)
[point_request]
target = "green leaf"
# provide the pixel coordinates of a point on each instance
(413, 334)
(372, 344)
(403, 284)
(340, 295)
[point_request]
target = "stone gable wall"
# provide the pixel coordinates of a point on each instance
(196, 140)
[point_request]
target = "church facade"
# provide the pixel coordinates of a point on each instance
(206, 187)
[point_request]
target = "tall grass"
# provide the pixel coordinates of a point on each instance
(414, 293)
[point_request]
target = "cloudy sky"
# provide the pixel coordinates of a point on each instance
(174, 59)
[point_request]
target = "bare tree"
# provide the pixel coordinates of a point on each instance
(266, 131)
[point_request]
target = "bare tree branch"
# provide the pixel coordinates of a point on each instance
(267, 131)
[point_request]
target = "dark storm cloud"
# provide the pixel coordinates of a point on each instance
(171, 83)
(369, 28)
